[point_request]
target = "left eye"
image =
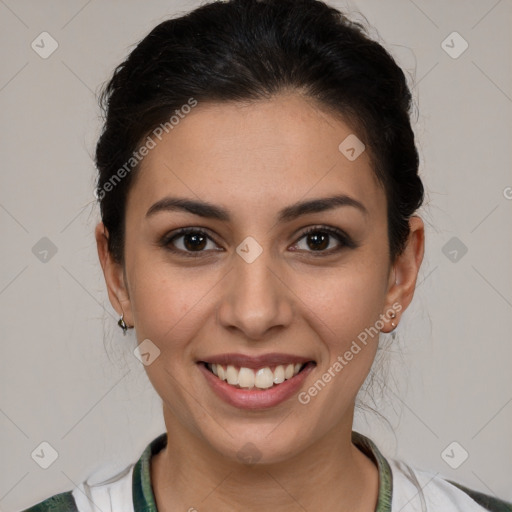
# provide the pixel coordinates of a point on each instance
(318, 240)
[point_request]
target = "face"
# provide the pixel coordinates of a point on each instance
(248, 286)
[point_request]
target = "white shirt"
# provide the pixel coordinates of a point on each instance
(402, 488)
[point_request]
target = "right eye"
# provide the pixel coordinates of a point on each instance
(191, 240)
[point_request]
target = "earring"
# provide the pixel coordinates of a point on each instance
(393, 323)
(122, 324)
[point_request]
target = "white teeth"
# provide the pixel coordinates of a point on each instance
(279, 374)
(232, 375)
(246, 378)
(263, 378)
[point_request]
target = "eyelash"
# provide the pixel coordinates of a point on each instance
(342, 237)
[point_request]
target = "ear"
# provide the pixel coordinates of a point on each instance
(403, 275)
(114, 276)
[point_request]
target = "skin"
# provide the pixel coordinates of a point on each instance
(255, 159)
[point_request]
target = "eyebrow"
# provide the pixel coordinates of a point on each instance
(211, 211)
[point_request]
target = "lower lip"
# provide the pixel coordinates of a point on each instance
(256, 398)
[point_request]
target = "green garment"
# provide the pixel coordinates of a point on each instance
(144, 500)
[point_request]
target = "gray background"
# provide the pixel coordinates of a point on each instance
(69, 378)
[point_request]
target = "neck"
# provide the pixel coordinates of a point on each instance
(331, 474)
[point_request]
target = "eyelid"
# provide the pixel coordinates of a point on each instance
(342, 237)
(166, 240)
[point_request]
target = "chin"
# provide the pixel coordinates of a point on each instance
(259, 445)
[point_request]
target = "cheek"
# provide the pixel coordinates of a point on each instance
(343, 308)
(169, 304)
(342, 313)
(347, 300)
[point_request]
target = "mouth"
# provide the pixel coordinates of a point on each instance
(260, 378)
(255, 382)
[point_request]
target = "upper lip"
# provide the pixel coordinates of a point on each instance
(255, 362)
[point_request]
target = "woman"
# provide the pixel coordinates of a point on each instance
(258, 183)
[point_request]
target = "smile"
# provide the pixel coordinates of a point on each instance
(255, 382)
(248, 378)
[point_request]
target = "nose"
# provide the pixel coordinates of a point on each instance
(256, 298)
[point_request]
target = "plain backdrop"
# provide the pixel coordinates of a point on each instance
(69, 378)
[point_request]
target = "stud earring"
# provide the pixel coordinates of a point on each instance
(393, 315)
(122, 324)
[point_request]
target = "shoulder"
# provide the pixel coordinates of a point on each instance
(418, 490)
(485, 500)
(63, 502)
(113, 485)
(103, 489)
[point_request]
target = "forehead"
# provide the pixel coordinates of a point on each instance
(262, 154)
